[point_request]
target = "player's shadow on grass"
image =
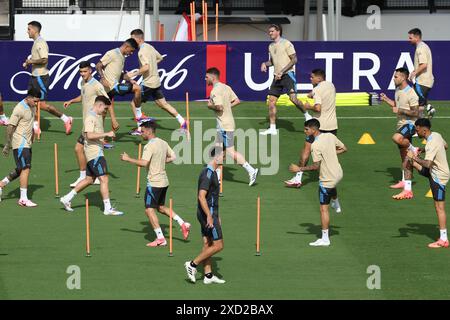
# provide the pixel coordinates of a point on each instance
(394, 173)
(95, 200)
(15, 194)
(429, 230)
(150, 234)
(316, 229)
(229, 176)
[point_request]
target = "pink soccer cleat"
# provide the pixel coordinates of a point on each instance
(68, 125)
(26, 203)
(292, 184)
(3, 121)
(185, 228)
(439, 244)
(398, 185)
(403, 195)
(157, 243)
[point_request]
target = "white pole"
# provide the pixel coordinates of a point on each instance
(319, 24)
(156, 19)
(331, 18)
(142, 15)
(120, 21)
(306, 20)
(338, 17)
(324, 24)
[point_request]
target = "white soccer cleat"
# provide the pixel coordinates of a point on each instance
(214, 279)
(97, 181)
(320, 243)
(191, 271)
(430, 111)
(67, 205)
(252, 177)
(336, 206)
(112, 212)
(4, 121)
(269, 131)
(26, 203)
(295, 182)
(73, 185)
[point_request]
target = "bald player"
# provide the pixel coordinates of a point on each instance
(111, 71)
(406, 106)
(282, 57)
(19, 138)
(149, 58)
(325, 150)
(40, 79)
(3, 118)
(90, 89)
(324, 110)
(157, 153)
(434, 166)
(96, 162)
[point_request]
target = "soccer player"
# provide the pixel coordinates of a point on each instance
(325, 149)
(19, 138)
(110, 69)
(90, 89)
(422, 76)
(434, 166)
(157, 153)
(151, 84)
(406, 106)
(3, 118)
(324, 110)
(222, 100)
(282, 57)
(208, 216)
(96, 162)
(39, 75)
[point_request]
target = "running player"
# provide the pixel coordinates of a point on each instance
(324, 110)
(19, 138)
(434, 166)
(208, 216)
(90, 89)
(406, 106)
(222, 99)
(325, 149)
(422, 76)
(282, 57)
(110, 69)
(151, 83)
(39, 75)
(157, 153)
(96, 162)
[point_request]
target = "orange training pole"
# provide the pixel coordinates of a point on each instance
(138, 178)
(258, 224)
(203, 19)
(170, 227)
(206, 20)
(188, 120)
(176, 31)
(39, 120)
(221, 179)
(195, 26)
(56, 170)
(88, 234)
(161, 33)
(217, 21)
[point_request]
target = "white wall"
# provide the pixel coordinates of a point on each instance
(103, 27)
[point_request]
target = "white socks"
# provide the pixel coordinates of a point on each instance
(299, 175)
(273, 126)
(70, 195)
(35, 125)
(248, 167)
(307, 116)
(3, 116)
(23, 194)
(159, 233)
(408, 185)
(138, 112)
(403, 175)
(325, 235)
(411, 148)
(64, 118)
(180, 119)
(107, 204)
(82, 174)
(219, 174)
(178, 219)
(443, 234)
(5, 181)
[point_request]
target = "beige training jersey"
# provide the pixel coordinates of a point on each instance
(435, 151)
(114, 62)
(93, 123)
(22, 118)
(149, 55)
(405, 99)
(325, 95)
(223, 95)
(156, 151)
(39, 51)
(89, 91)
(279, 54)
(423, 55)
(323, 150)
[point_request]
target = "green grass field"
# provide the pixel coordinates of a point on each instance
(37, 245)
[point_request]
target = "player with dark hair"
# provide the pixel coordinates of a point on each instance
(40, 78)
(406, 106)
(434, 166)
(149, 58)
(3, 118)
(324, 150)
(96, 162)
(19, 138)
(157, 153)
(208, 216)
(282, 57)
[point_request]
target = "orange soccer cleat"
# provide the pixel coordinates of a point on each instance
(439, 244)
(403, 195)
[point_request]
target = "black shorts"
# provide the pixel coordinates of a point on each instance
(287, 84)
(437, 189)
(154, 93)
(121, 89)
(40, 83)
(22, 157)
(155, 197)
(326, 194)
(408, 131)
(422, 92)
(81, 139)
(97, 167)
(310, 139)
(225, 138)
(211, 233)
